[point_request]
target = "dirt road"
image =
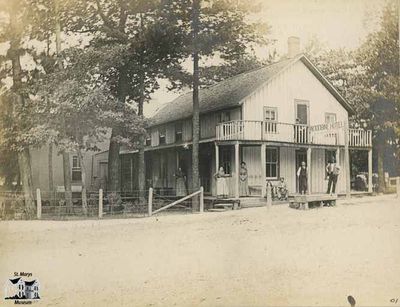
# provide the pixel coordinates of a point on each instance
(249, 257)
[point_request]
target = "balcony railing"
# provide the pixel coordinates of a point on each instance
(325, 134)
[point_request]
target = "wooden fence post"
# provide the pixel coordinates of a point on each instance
(38, 204)
(201, 199)
(150, 203)
(398, 187)
(100, 203)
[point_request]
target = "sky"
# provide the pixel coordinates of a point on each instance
(336, 23)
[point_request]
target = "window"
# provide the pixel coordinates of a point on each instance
(270, 114)
(76, 169)
(270, 118)
(224, 116)
(178, 131)
(161, 135)
(330, 118)
(226, 158)
(272, 162)
(148, 140)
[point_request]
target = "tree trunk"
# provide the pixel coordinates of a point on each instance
(196, 109)
(113, 164)
(24, 162)
(84, 192)
(142, 141)
(66, 160)
(114, 177)
(51, 180)
(67, 181)
(381, 174)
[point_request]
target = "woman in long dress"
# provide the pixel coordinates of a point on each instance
(243, 182)
(222, 186)
(180, 183)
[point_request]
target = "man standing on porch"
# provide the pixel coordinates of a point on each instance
(302, 175)
(332, 170)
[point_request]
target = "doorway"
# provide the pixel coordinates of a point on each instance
(301, 156)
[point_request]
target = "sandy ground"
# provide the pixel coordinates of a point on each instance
(250, 257)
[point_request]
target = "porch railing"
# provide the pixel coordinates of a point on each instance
(325, 134)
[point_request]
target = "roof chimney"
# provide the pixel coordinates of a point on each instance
(293, 46)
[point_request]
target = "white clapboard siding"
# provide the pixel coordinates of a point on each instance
(294, 83)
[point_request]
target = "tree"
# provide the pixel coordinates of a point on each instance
(19, 135)
(379, 55)
(140, 36)
(70, 97)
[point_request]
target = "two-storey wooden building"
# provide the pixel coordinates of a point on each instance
(271, 118)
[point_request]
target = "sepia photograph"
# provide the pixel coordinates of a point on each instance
(227, 153)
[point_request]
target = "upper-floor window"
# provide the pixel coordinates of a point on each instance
(270, 118)
(76, 169)
(330, 118)
(148, 140)
(161, 135)
(178, 131)
(270, 114)
(224, 116)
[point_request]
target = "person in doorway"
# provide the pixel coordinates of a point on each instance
(180, 178)
(222, 185)
(302, 178)
(332, 171)
(243, 182)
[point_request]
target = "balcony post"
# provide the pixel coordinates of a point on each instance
(237, 167)
(216, 157)
(309, 170)
(338, 155)
(347, 159)
(370, 170)
(263, 170)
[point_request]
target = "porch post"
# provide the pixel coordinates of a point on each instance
(338, 156)
(309, 170)
(347, 158)
(370, 170)
(263, 170)
(237, 167)
(216, 157)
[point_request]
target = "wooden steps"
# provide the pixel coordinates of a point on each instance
(251, 202)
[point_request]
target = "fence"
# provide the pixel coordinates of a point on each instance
(99, 204)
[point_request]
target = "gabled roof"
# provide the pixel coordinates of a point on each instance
(15, 280)
(231, 92)
(30, 283)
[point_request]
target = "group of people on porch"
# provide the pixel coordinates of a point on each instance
(280, 190)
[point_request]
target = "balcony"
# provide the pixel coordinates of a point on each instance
(324, 134)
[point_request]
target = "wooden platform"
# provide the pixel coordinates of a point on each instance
(304, 201)
(224, 204)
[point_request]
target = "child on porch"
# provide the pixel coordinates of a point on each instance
(281, 189)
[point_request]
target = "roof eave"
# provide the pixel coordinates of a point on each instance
(328, 85)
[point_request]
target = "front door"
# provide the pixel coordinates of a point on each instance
(301, 155)
(205, 165)
(302, 112)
